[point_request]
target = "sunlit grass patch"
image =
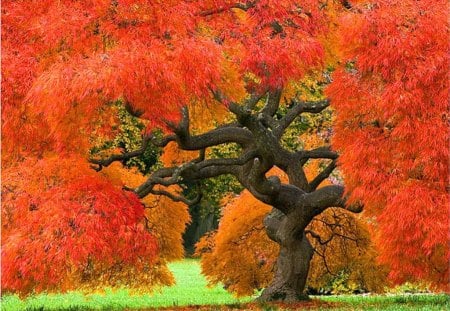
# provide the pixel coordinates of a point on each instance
(190, 290)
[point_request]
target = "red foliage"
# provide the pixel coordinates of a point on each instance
(62, 224)
(63, 60)
(392, 130)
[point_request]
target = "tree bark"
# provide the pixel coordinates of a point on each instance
(293, 260)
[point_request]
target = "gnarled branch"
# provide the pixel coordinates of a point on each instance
(177, 198)
(122, 157)
(318, 153)
(299, 107)
(322, 176)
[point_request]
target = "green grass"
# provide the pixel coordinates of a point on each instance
(416, 302)
(191, 290)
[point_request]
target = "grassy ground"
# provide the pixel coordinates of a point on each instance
(422, 302)
(191, 291)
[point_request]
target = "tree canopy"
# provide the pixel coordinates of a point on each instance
(66, 63)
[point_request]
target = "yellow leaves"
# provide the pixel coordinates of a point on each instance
(310, 88)
(165, 219)
(96, 278)
(242, 257)
(239, 255)
(206, 114)
(173, 155)
(232, 84)
(347, 250)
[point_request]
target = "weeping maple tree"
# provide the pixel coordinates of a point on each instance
(64, 62)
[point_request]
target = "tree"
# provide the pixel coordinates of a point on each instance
(392, 130)
(156, 58)
(66, 61)
(258, 133)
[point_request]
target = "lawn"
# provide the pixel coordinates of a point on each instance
(191, 290)
(416, 302)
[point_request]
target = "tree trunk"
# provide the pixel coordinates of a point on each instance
(293, 260)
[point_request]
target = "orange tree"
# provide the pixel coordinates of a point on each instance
(63, 63)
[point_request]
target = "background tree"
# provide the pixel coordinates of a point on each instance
(391, 98)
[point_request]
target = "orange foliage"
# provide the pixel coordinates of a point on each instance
(242, 257)
(66, 227)
(239, 255)
(173, 155)
(165, 219)
(392, 130)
